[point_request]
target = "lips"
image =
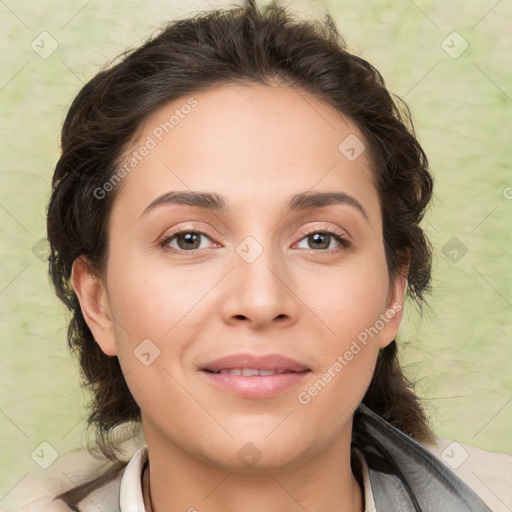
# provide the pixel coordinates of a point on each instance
(255, 376)
(249, 364)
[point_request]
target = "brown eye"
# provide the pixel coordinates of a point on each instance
(321, 241)
(186, 241)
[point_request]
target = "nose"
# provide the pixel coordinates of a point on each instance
(261, 290)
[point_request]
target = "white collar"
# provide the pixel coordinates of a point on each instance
(130, 493)
(369, 502)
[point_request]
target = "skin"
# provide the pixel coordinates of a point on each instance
(257, 145)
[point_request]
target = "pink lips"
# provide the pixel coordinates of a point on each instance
(255, 386)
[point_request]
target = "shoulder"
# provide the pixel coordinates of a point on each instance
(37, 490)
(488, 474)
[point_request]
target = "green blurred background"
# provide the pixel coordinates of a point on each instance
(459, 353)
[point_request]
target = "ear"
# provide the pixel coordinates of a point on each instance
(392, 317)
(93, 300)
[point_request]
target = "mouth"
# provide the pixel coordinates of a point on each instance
(248, 363)
(255, 376)
(252, 372)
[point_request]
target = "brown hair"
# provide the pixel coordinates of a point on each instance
(244, 44)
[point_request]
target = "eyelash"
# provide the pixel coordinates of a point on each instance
(338, 236)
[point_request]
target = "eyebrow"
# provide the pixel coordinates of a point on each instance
(217, 202)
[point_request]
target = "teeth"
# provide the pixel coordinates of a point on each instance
(250, 372)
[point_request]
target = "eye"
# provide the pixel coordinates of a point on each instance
(321, 240)
(187, 241)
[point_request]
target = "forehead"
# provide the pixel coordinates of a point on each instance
(249, 142)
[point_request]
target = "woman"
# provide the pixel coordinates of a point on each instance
(261, 361)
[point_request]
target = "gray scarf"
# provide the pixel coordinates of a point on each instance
(405, 476)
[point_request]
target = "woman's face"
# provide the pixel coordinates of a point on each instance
(265, 274)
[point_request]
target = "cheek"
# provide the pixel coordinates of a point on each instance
(350, 297)
(149, 316)
(349, 327)
(152, 300)
(351, 310)
(159, 311)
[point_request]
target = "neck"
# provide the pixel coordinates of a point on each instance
(179, 482)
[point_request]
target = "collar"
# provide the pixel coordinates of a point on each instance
(131, 497)
(406, 476)
(398, 473)
(130, 492)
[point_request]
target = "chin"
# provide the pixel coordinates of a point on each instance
(258, 452)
